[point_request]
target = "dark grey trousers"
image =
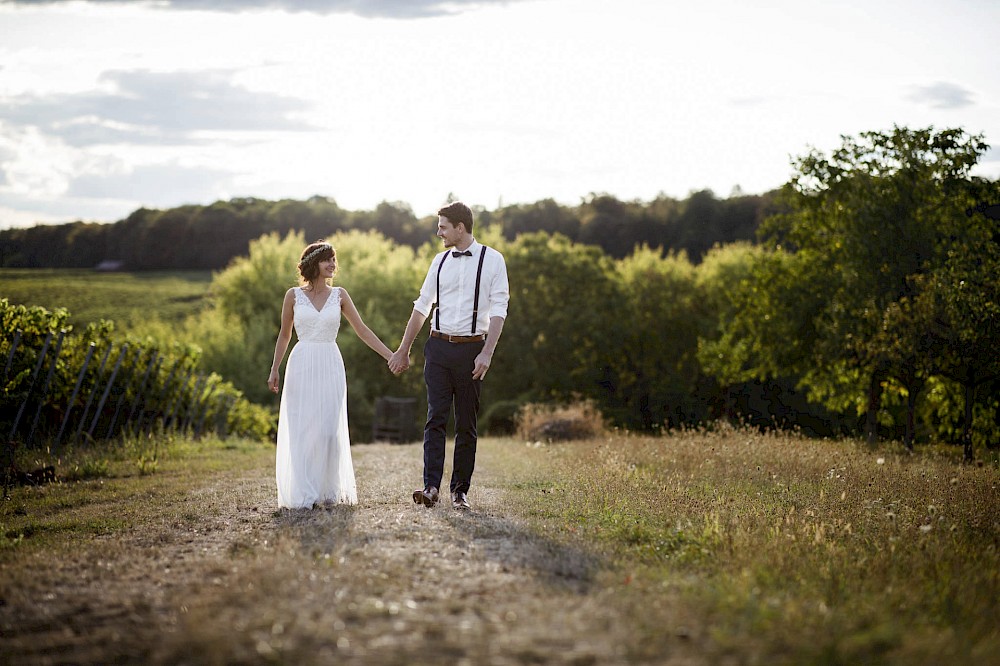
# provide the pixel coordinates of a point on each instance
(450, 386)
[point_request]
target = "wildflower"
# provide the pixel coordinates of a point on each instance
(926, 528)
(880, 461)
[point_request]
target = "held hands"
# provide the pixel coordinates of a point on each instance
(399, 362)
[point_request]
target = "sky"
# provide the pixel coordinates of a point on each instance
(106, 107)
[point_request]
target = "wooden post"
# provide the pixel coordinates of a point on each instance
(45, 388)
(76, 391)
(107, 390)
(90, 396)
(118, 404)
(10, 356)
(195, 400)
(142, 388)
(31, 384)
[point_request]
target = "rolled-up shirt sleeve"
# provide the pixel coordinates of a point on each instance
(425, 301)
(499, 292)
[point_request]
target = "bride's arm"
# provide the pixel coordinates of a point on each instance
(284, 336)
(359, 326)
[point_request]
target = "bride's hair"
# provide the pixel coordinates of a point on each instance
(311, 256)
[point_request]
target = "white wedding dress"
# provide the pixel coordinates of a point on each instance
(314, 448)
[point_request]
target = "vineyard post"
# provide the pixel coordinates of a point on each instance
(121, 396)
(142, 388)
(90, 396)
(163, 396)
(107, 390)
(10, 356)
(45, 388)
(76, 391)
(194, 403)
(175, 403)
(204, 410)
(31, 384)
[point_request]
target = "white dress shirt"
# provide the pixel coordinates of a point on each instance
(458, 289)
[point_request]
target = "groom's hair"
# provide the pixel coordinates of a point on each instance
(458, 212)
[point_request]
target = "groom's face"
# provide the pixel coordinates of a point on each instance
(448, 232)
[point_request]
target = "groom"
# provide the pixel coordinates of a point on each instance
(468, 284)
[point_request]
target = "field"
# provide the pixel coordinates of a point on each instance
(698, 547)
(124, 298)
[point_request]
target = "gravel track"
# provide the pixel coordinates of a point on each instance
(221, 576)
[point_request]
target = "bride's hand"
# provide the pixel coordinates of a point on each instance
(274, 381)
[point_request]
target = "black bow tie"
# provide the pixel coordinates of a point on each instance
(467, 253)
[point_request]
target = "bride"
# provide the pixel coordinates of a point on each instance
(313, 462)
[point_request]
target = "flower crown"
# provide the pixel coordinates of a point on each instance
(322, 248)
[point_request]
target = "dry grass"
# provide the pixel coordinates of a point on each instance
(779, 548)
(698, 547)
(559, 423)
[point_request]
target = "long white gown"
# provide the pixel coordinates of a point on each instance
(314, 448)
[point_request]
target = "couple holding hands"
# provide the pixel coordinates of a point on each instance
(467, 288)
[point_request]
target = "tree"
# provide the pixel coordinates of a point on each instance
(560, 331)
(655, 371)
(865, 220)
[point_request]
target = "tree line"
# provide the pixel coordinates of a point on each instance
(868, 305)
(209, 237)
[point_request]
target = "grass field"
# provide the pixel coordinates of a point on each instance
(697, 548)
(124, 298)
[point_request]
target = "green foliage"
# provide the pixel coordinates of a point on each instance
(862, 281)
(654, 370)
(873, 292)
(236, 337)
(555, 343)
(124, 384)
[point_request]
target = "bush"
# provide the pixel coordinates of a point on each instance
(555, 423)
(501, 418)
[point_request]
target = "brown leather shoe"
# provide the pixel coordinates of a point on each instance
(428, 496)
(460, 501)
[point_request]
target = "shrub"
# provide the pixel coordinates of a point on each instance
(554, 423)
(501, 418)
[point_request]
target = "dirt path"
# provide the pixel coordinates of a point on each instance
(223, 577)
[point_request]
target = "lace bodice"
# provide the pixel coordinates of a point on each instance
(313, 325)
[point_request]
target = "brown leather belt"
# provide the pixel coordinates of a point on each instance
(458, 338)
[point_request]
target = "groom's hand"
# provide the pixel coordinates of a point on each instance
(399, 362)
(482, 365)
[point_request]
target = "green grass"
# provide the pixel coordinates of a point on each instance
(124, 298)
(781, 549)
(104, 489)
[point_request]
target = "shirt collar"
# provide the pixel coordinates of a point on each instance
(473, 248)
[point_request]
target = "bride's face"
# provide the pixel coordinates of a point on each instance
(327, 267)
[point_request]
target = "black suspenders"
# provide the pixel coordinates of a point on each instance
(475, 300)
(437, 310)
